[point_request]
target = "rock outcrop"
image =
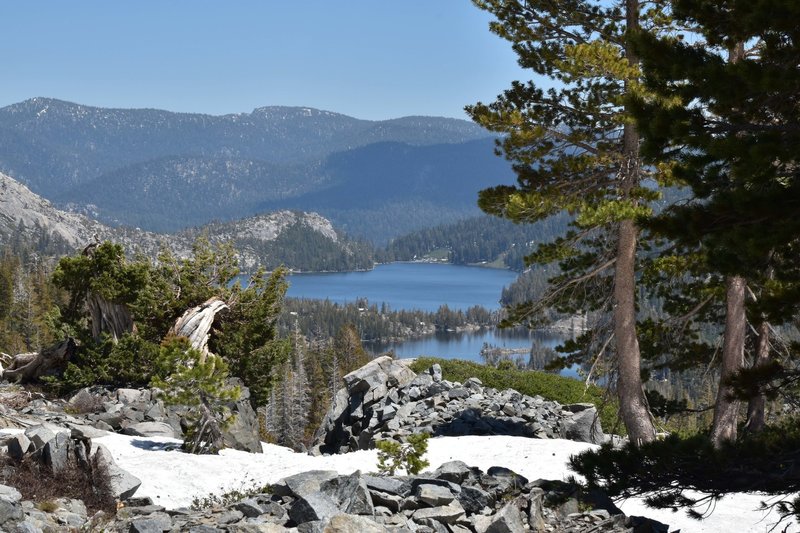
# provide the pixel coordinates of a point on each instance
(453, 498)
(386, 400)
(139, 412)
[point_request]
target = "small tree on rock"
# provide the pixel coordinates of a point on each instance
(198, 381)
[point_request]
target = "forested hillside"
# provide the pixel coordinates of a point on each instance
(30, 224)
(483, 239)
(321, 319)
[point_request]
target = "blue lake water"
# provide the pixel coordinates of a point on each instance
(467, 345)
(426, 286)
(423, 286)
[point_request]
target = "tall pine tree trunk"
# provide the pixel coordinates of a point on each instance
(633, 405)
(726, 409)
(757, 406)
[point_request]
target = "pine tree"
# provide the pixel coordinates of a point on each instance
(726, 118)
(198, 380)
(287, 411)
(576, 149)
(319, 395)
(350, 354)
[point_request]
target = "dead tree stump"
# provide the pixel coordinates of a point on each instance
(195, 324)
(27, 367)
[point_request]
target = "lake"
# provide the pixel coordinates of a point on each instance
(466, 345)
(426, 286)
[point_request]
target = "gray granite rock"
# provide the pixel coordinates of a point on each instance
(304, 483)
(10, 506)
(507, 520)
(446, 514)
(434, 495)
(313, 507)
(18, 446)
(55, 453)
(583, 425)
(132, 396)
(350, 494)
(123, 483)
(475, 500)
(39, 436)
(249, 507)
(453, 471)
(353, 524)
(153, 523)
(89, 432)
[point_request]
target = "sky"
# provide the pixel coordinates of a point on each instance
(370, 59)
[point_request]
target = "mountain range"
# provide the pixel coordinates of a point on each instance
(164, 171)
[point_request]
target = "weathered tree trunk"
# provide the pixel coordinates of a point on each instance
(195, 324)
(757, 406)
(31, 366)
(633, 405)
(5, 360)
(726, 409)
(108, 317)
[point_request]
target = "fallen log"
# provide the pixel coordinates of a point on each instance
(31, 366)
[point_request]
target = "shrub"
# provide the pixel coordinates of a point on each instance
(36, 482)
(130, 362)
(691, 473)
(231, 496)
(393, 454)
(198, 381)
(47, 506)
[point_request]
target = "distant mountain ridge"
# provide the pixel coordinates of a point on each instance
(301, 241)
(163, 171)
(90, 140)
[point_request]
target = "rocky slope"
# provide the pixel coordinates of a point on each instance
(453, 498)
(30, 218)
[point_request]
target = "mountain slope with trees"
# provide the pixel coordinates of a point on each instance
(30, 226)
(483, 239)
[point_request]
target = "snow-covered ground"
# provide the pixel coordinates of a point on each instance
(173, 479)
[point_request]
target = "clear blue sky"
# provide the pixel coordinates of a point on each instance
(371, 59)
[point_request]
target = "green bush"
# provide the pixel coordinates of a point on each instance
(130, 362)
(199, 381)
(393, 455)
(530, 382)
